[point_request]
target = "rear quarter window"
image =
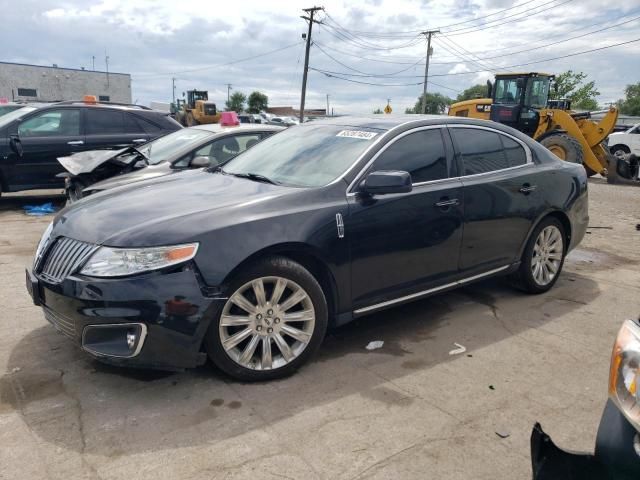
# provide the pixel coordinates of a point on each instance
(481, 150)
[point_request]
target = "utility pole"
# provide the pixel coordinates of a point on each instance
(93, 63)
(173, 89)
(327, 110)
(427, 34)
(229, 88)
(106, 61)
(310, 12)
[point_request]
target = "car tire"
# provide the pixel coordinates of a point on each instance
(564, 147)
(619, 150)
(543, 257)
(255, 343)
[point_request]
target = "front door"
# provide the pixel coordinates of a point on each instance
(500, 197)
(402, 244)
(46, 136)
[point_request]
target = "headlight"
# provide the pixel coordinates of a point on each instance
(44, 241)
(624, 377)
(116, 262)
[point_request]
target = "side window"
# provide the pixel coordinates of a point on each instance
(514, 151)
(147, 126)
(131, 126)
(481, 150)
(64, 122)
(104, 122)
(421, 154)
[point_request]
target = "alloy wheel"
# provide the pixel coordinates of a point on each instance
(547, 255)
(267, 323)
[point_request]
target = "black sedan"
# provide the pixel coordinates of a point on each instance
(311, 228)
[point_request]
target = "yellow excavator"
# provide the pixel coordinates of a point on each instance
(196, 109)
(521, 101)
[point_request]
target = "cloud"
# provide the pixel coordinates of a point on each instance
(192, 40)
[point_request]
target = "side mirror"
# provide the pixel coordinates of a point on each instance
(16, 145)
(200, 162)
(384, 182)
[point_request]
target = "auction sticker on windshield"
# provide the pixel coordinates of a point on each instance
(356, 134)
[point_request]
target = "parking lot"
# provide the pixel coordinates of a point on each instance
(406, 410)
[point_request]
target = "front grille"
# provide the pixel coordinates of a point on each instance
(63, 258)
(60, 322)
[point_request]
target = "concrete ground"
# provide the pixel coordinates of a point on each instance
(407, 410)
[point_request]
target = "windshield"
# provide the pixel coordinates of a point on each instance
(305, 155)
(11, 116)
(537, 92)
(163, 148)
(507, 91)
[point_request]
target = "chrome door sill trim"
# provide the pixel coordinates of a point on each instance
(427, 292)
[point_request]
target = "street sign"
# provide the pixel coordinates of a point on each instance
(388, 109)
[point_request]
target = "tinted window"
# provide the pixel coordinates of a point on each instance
(226, 148)
(481, 150)
(421, 154)
(27, 92)
(104, 122)
(514, 151)
(104, 98)
(52, 123)
(147, 126)
(131, 126)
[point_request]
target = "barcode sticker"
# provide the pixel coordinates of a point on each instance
(357, 134)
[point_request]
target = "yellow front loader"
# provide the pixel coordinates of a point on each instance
(521, 100)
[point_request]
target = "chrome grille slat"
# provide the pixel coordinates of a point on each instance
(63, 258)
(60, 322)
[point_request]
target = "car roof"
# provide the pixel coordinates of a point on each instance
(387, 122)
(217, 128)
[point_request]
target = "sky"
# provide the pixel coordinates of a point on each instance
(204, 44)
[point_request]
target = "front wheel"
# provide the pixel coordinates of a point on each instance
(543, 258)
(274, 320)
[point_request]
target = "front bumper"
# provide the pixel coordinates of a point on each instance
(615, 456)
(167, 312)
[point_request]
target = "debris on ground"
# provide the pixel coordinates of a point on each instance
(375, 345)
(39, 210)
(503, 434)
(458, 350)
(491, 387)
(15, 370)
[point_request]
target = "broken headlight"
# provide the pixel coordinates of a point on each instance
(118, 262)
(624, 376)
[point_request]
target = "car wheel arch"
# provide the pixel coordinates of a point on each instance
(306, 256)
(562, 218)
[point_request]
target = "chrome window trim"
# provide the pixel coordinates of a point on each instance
(143, 337)
(526, 148)
(416, 295)
(382, 150)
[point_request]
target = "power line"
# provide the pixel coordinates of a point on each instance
(359, 71)
(138, 75)
(456, 49)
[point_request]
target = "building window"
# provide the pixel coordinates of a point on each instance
(27, 92)
(104, 98)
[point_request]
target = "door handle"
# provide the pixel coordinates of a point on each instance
(75, 142)
(446, 202)
(139, 140)
(526, 188)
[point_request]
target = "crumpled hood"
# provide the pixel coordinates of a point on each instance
(169, 210)
(146, 173)
(86, 162)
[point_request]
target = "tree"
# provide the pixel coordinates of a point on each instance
(257, 102)
(631, 104)
(377, 111)
(477, 91)
(236, 102)
(570, 85)
(436, 104)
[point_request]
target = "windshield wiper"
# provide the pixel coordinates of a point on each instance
(254, 176)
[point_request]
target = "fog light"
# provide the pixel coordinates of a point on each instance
(131, 340)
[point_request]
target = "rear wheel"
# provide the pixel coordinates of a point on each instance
(543, 257)
(272, 323)
(190, 120)
(564, 147)
(620, 150)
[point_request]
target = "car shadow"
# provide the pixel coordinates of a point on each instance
(74, 402)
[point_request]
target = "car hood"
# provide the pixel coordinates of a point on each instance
(146, 173)
(170, 210)
(86, 162)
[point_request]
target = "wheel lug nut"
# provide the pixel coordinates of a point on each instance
(269, 330)
(276, 320)
(259, 328)
(269, 312)
(259, 316)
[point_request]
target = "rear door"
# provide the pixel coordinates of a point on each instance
(402, 244)
(112, 128)
(501, 196)
(45, 136)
